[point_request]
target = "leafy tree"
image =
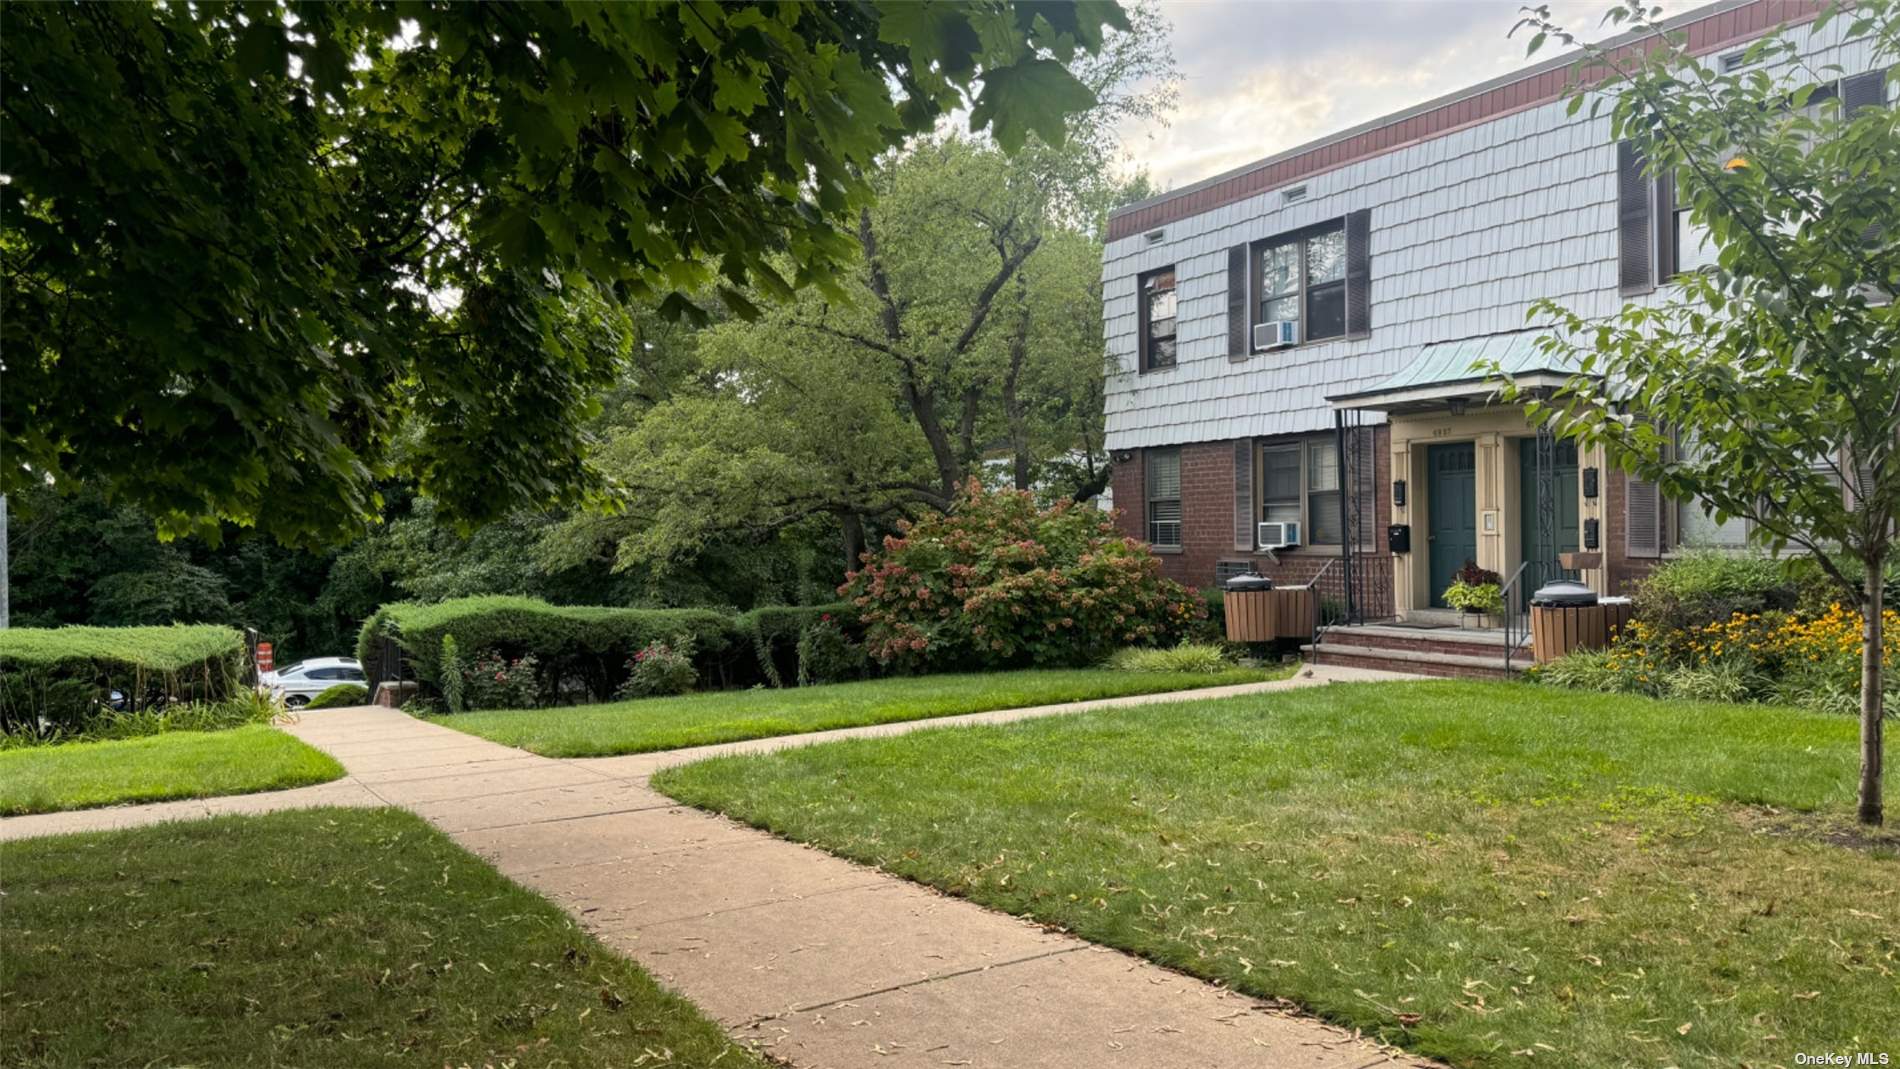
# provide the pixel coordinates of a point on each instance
(970, 335)
(259, 257)
(1779, 369)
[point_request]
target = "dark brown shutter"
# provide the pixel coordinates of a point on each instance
(1668, 262)
(1237, 341)
(1632, 221)
(1243, 494)
(1359, 273)
(1642, 518)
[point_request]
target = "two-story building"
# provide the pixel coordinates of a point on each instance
(1294, 341)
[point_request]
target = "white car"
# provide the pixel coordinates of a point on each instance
(302, 681)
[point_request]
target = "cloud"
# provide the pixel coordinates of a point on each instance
(1262, 76)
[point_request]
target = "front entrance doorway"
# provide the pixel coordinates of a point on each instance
(1452, 507)
(1563, 485)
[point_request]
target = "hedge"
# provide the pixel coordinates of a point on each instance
(66, 675)
(340, 696)
(586, 647)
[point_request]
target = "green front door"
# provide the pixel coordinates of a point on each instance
(1452, 508)
(1564, 491)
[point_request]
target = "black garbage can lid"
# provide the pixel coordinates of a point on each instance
(1249, 582)
(1563, 592)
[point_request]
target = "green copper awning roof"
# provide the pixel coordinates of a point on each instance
(1465, 362)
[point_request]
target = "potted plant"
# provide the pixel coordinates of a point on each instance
(1478, 593)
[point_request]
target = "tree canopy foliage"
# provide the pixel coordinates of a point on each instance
(1768, 386)
(260, 257)
(966, 341)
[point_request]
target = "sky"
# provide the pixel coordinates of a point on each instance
(1261, 76)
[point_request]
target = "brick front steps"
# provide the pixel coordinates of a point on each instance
(1421, 651)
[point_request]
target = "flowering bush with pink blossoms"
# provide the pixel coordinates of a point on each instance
(660, 668)
(1001, 582)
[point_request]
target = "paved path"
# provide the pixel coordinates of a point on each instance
(819, 961)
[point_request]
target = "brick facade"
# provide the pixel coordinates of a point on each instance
(1208, 521)
(1621, 572)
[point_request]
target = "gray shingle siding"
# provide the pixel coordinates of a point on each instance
(1468, 229)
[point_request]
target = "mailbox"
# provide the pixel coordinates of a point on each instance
(1398, 537)
(1592, 533)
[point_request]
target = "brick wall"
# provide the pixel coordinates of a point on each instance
(1207, 521)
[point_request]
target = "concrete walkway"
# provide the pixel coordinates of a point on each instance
(819, 961)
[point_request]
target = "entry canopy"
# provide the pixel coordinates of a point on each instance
(1451, 370)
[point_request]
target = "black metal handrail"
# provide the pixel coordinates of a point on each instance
(1319, 626)
(1511, 614)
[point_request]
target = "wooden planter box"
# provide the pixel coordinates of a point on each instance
(1251, 615)
(1560, 630)
(1266, 615)
(1296, 612)
(1616, 617)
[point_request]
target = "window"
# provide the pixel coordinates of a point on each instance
(1164, 498)
(1299, 483)
(1157, 319)
(1304, 279)
(1694, 248)
(1696, 525)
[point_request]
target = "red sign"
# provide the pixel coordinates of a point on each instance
(264, 661)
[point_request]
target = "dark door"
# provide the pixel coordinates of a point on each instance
(1563, 483)
(1453, 510)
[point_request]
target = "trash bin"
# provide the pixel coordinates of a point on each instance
(1566, 617)
(1247, 603)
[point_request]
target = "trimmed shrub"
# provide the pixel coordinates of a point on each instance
(340, 696)
(1000, 582)
(65, 676)
(660, 669)
(826, 654)
(1189, 658)
(1703, 587)
(575, 646)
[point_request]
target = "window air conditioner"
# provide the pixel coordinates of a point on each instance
(1276, 334)
(1278, 535)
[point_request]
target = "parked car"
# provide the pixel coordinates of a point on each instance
(302, 681)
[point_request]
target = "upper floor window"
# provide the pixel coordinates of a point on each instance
(1164, 498)
(1303, 278)
(1157, 319)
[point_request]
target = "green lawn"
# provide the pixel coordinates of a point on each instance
(178, 764)
(325, 937)
(1494, 874)
(649, 724)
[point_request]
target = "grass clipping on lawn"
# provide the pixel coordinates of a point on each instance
(178, 764)
(648, 724)
(359, 938)
(1485, 873)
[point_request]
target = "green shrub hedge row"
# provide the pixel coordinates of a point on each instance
(340, 696)
(65, 676)
(585, 648)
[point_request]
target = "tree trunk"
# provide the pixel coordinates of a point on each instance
(851, 527)
(1871, 692)
(1012, 403)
